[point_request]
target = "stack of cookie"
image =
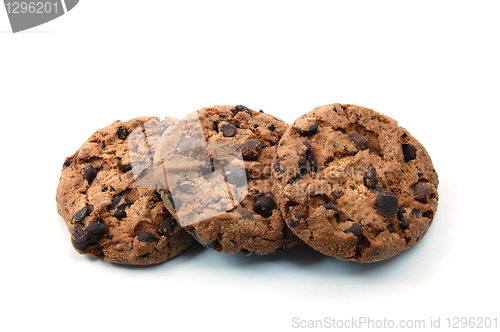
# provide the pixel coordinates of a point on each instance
(344, 179)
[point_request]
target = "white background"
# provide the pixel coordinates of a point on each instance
(432, 65)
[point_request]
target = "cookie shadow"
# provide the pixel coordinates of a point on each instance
(352, 268)
(189, 254)
(305, 257)
(301, 255)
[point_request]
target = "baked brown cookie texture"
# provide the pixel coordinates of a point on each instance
(216, 166)
(107, 198)
(354, 184)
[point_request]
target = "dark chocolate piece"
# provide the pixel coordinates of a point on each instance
(124, 167)
(404, 223)
(371, 177)
(360, 141)
(85, 211)
(89, 173)
(241, 108)
(251, 149)
(122, 133)
(228, 129)
(167, 227)
(355, 229)
(309, 130)
(409, 152)
(387, 203)
(146, 237)
(120, 203)
(422, 192)
(80, 238)
(96, 230)
(264, 206)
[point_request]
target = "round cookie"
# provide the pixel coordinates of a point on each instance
(355, 185)
(217, 165)
(108, 215)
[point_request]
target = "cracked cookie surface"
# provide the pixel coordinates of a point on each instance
(107, 214)
(355, 185)
(226, 203)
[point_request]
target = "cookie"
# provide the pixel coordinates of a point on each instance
(217, 167)
(354, 185)
(106, 198)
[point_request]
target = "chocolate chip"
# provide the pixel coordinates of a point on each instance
(228, 130)
(80, 238)
(355, 229)
(96, 230)
(306, 127)
(387, 203)
(416, 213)
(89, 173)
(264, 206)
(294, 180)
(307, 167)
(216, 124)
(251, 149)
(409, 152)
(122, 133)
(186, 144)
(313, 167)
(371, 177)
(330, 207)
(119, 205)
(309, 150)
(124, 167)
(271, 127)
(167, 227)
(296, 214)
(146, 237)
(85, 211)
(303, 166)
(404, 223)
(241, 108)
(301, 212)
(360, 141)
(277, 166)
(67, 162)
(236, 176)
(422, 192)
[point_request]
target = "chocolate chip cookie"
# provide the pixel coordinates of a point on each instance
(108, 214)
(354, 184)
(217, 166)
